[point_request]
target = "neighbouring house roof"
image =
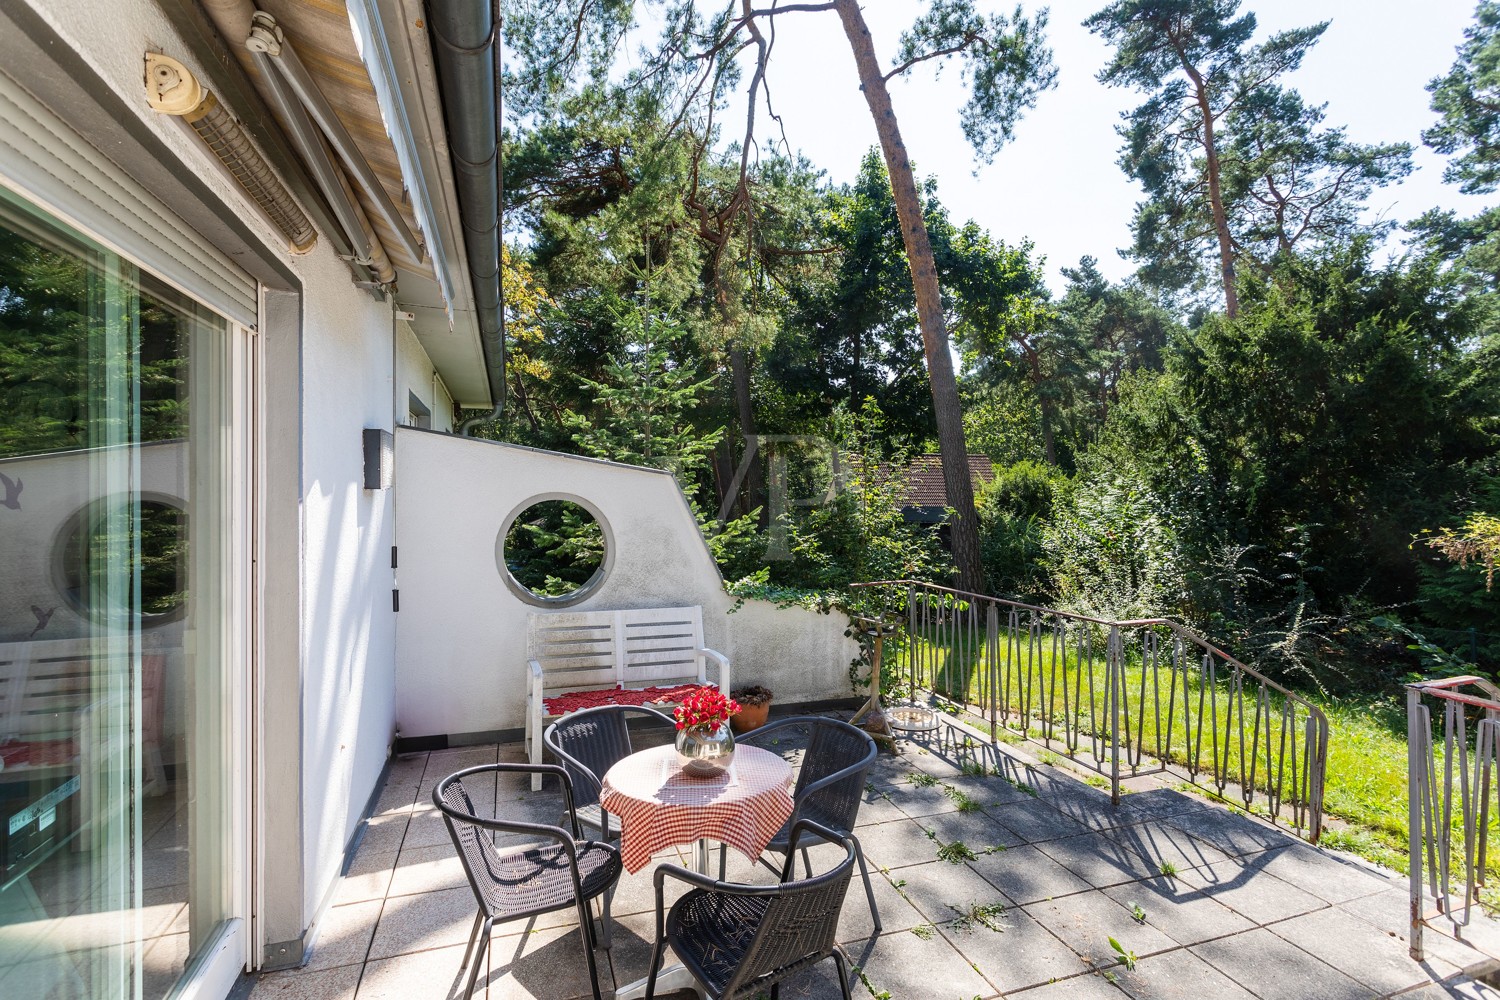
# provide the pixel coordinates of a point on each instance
(923, 479)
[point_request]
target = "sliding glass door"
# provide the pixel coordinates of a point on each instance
(123, 500)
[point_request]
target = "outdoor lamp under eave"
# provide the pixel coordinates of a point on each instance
(172, 89)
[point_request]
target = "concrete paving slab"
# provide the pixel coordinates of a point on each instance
(1098, 860)
(1020, 954)
(305, 984)
(1323, 874)
(910, 966)
(1187, 916)
(344, 935)
(976, 830)
(437, 973)
(425, 869)
(1162, 844)
(1072, 866)
(941, 891)
(1360, 951)
(1090, 986)
(878, 806)
(1034, 821)
(919, 801)
(1274, 969)
(936, 764)
(1026, 875)
(1178, 975)
(1245, 887)
(1086, 921)
(895, 845)
(419, 923)
(383, 833)
(544, 964)
(368, 877)
(1229, 832)
(896, 911)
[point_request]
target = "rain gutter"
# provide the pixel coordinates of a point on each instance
(466, 46)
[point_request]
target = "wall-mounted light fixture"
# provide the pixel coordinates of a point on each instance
(380, 459)
(172, 89)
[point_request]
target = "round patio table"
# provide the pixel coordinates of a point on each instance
(659, 806)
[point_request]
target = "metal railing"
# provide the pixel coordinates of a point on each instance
(1465, 763)
(1123, 698)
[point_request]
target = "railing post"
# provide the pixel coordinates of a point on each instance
(992, 653)
(911, 643)
(1416, 739)
(1114, 666)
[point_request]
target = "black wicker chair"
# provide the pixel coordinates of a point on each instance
(525, 882)
(740, 940)
(588, 743)
(830, 785)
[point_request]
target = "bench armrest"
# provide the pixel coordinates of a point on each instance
(722, 662)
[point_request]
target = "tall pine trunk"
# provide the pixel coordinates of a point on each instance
(1215, 190)
(950, 426)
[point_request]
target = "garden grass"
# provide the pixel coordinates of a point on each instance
(1365, 792)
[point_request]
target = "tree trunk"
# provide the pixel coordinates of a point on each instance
(950, 425)
(1215, 193)
(739, 370)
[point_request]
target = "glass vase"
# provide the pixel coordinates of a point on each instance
(706, 751)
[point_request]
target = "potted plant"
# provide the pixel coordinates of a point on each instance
(755, 705)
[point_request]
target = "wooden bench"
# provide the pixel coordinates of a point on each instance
(594, 651)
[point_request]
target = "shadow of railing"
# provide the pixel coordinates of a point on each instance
(1122, 698)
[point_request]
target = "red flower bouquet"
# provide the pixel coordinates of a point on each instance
(706, 708)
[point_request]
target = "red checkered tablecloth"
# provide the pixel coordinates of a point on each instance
(659, 806)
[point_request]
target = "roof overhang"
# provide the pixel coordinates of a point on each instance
(373, 64)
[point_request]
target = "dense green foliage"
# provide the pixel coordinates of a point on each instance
(1281, 460)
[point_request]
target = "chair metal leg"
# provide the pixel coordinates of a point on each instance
(656, 957)
(606, 936)
(479, 953)
(864, 872)
(473, 936)
(806, 863)
(838, 961)
(586, 912)
(586, 928)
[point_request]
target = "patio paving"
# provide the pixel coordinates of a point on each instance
(1050, 873)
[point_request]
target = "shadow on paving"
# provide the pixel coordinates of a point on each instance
(996, 875)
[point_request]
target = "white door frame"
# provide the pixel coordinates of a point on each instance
(220, 962)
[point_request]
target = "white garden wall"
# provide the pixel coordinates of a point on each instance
(461, 631)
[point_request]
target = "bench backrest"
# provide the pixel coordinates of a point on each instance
(636, 648)
(43, 685)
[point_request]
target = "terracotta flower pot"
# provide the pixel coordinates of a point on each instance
(750, 717)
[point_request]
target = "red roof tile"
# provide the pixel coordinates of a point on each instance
(924, 479)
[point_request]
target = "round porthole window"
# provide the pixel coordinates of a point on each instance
(103, 546)
(554, 550)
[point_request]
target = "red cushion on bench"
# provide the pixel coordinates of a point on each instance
(38, 753)
(562, 704)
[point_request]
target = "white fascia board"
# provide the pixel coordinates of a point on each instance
(410, 135)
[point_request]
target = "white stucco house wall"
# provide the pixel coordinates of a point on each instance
(326, 488)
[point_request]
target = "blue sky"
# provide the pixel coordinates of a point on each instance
(1057, 183)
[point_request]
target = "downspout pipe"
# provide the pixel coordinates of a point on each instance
(466, 37)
